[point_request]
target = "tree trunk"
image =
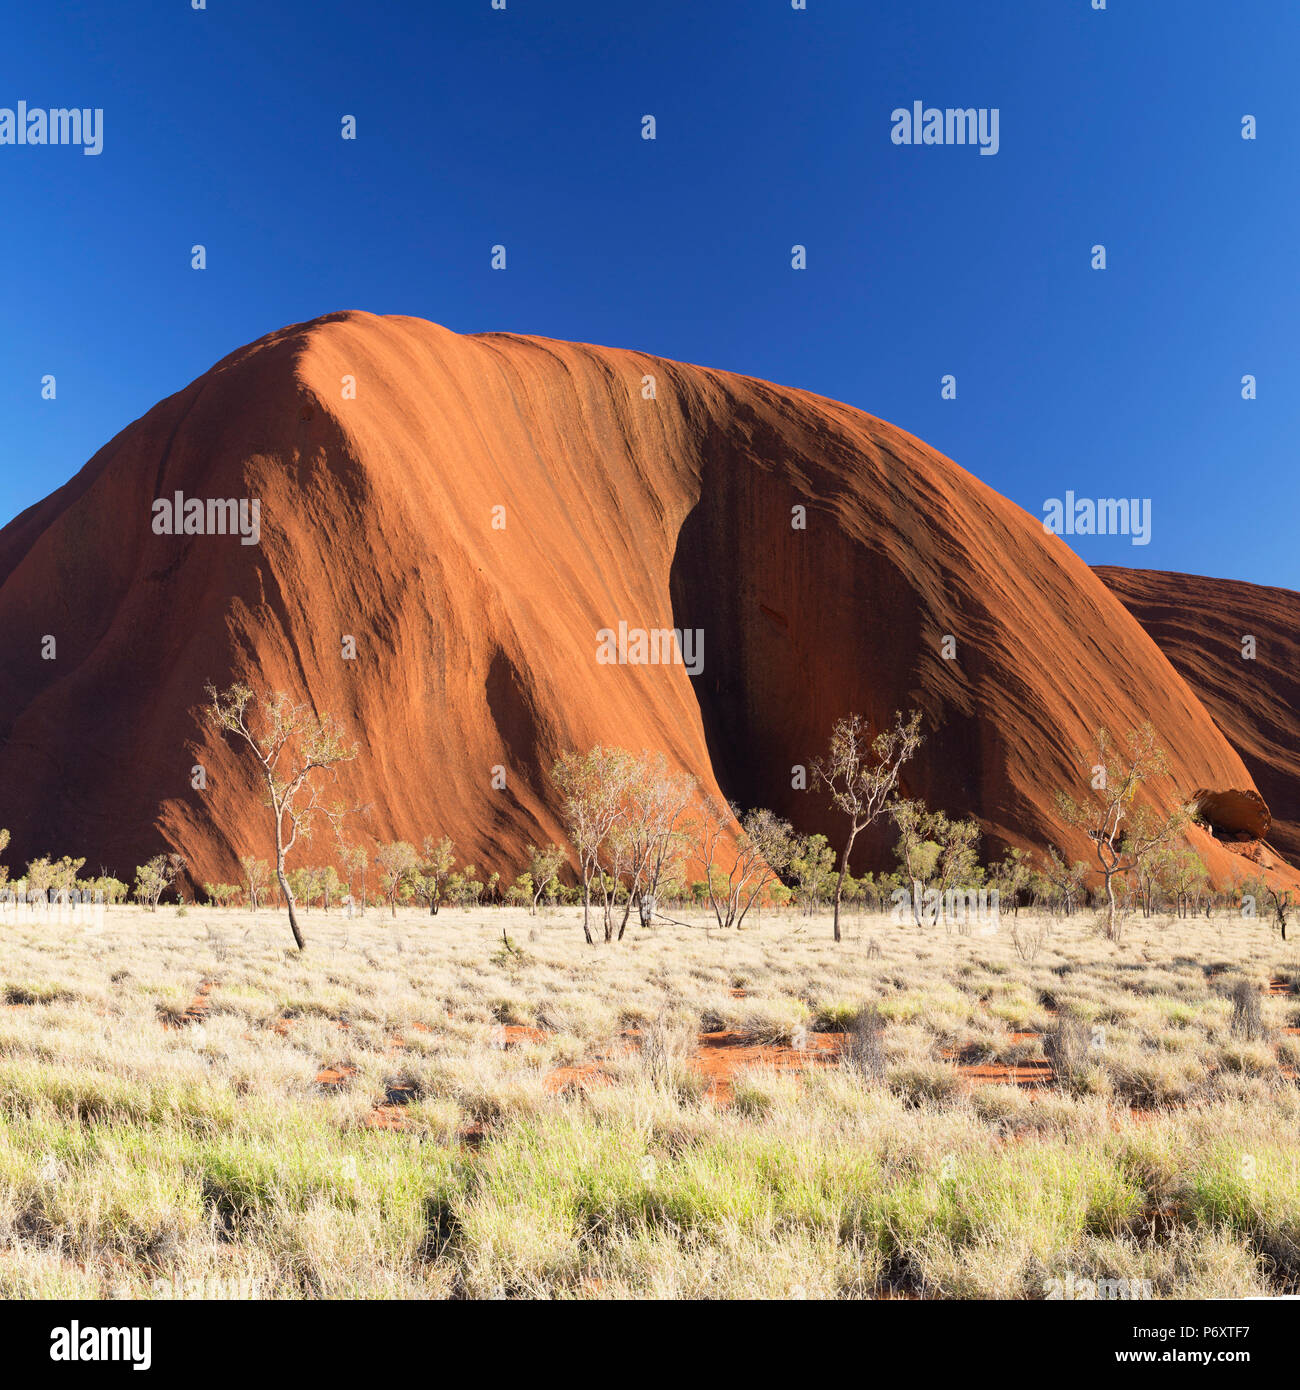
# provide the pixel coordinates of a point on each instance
(1110, 898)
(586, 908)
(283, 879)
(288, 897)
(607, 897)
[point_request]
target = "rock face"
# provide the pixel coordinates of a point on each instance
(1199, 624)
(472, 520)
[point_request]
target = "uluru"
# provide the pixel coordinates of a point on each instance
(447, 524)
(1237, 645)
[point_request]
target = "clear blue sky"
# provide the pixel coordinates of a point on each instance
(475, 126)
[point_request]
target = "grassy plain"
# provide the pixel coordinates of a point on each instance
(415, 1108)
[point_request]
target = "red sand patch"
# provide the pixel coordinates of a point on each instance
(576, 1078)
(592, 1073)
(385, 1117)
(199, 1005)
(516, 1034)
(1028, 1074)
(334, 1078)
(196, 1011)
(1136, 1113)
(719, 1056)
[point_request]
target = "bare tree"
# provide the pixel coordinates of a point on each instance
(1123, 836)
(762, 851)
(298, 752)
(1281, 906)
(593, 785)
(651, 829)
(861, 776)
(1066, 879)
(257, 874)
(353, 859)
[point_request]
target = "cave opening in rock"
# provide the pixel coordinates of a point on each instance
(1233, 816)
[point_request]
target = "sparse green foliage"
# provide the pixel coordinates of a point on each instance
(861, 777)
(257, 878)
(398, 866)
(152, 879)
(1123, 833)
(762, 853)
(432, 872)
(544, 866)
(812, 866)
(1064, 882)
(298, 752)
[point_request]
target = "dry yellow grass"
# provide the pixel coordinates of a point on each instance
(152, 1147)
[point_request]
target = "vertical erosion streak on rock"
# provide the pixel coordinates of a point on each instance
(515, 722)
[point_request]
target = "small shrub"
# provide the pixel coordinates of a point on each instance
(864, 1050)
(1250, 1059)
(1065, 1045)
(925, 1081)
(1247, 1016)
(1028, 939)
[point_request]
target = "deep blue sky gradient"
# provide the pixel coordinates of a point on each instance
(523, 127)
